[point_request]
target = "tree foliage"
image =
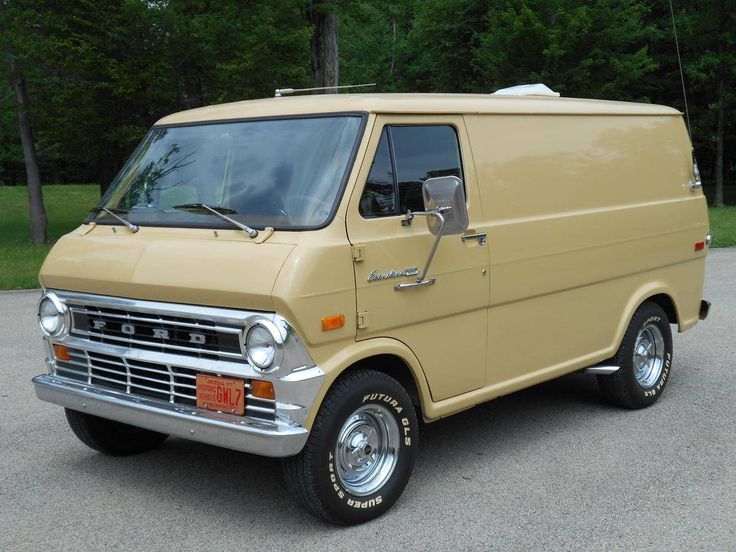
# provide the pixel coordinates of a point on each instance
(100, 73)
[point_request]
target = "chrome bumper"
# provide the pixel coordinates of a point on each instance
(188, 422)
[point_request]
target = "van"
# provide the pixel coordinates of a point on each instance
(305, 277)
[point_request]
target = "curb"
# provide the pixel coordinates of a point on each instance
(31, 290)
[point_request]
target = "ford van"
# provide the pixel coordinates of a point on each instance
(306, 277)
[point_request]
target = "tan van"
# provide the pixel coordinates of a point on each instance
(304, 277)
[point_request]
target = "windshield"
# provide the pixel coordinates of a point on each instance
(285, 173)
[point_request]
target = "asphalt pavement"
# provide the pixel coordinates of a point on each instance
(548, 468)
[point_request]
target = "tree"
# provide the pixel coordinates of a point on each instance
(438, 55)
(597, 50)
(372, 42)
(708, 47)
(98, 74)
(36, 209)
(324, 44)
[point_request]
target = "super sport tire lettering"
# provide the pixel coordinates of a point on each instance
(313, 472)
(621, 388)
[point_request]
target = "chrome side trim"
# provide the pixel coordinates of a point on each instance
(223, 430)
(601, 370)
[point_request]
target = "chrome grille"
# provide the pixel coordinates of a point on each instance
(155, 332)
(174, 384)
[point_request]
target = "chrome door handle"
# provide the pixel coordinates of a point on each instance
(480, 236)
(421, 283)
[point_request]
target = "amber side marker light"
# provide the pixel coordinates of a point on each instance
(334, 322)
(262, 389)
(61, 352)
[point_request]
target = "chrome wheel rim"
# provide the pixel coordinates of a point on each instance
(367, 450)
(649, 352)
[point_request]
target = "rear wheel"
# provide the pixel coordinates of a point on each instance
(644, 359)
(360, 452)
(109, 437)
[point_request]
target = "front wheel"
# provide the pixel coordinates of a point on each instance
(644, 359)
(360, 452)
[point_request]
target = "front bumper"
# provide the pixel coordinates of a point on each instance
(188, 422)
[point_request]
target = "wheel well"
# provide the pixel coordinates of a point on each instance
(665, 301)
(396, 368)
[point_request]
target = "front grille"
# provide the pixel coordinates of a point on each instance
(173, 384)
(154, 332)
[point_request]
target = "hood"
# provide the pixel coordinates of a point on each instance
(178, 265)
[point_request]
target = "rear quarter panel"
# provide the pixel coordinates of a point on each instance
(588, 216)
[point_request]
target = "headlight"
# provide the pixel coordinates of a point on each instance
(260, 346)
(52, 315)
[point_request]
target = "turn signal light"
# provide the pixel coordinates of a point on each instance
(61, 352)
(262, 389)
(334, 322)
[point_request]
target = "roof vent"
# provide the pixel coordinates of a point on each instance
(538, 89)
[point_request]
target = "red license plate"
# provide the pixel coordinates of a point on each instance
(223, 394)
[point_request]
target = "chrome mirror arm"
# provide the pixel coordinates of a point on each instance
(436, 243)
(406, 221)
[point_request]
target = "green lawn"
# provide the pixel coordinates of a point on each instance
(723, 226)
(67, 206)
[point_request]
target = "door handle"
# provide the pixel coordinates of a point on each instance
(480, 236)
(421, 283)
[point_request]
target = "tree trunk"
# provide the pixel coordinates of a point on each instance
(315, 43)
(719, 137)
(36, 210)
(324, 47)
(393, 46)
(331, 51)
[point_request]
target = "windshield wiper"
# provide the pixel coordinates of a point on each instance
(218, 212)
(132, 227)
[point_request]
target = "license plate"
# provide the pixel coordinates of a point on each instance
(223, 394)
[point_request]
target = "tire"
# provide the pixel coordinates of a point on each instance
(641, 378)
(109, 437)
(345, 474)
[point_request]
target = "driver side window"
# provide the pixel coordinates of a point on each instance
(406, 156)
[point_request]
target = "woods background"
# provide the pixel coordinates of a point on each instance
(87, 78)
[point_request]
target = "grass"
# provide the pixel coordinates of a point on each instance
(723, 226)
(67, 206)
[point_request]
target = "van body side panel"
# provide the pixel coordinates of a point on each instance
(443, 324)
(584, 212)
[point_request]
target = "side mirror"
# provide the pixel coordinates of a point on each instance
(447, 214)
(445, 195)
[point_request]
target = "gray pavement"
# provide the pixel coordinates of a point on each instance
(549, 468)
